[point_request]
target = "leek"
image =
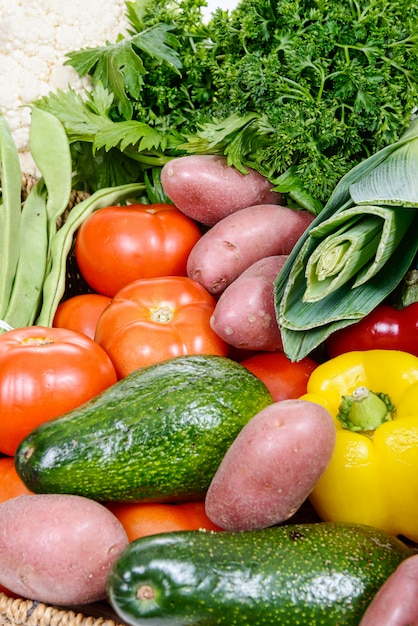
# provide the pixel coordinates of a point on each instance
(356, 251)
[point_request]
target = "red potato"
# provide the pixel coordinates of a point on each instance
(205, 188)
(272, 466)
(58, 548)
(396, 602)
(244, 315)
(241, 239)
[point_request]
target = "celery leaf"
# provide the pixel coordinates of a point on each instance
(119, 66)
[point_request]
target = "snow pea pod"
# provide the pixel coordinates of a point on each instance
(11, 184)
(32, 248)
(54, 284)
(50, 149)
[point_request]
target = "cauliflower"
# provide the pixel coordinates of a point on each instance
(35, 36)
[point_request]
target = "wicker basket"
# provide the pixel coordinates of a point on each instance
(18, 612)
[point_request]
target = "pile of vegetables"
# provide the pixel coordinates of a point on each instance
(288, 448)
(312, 97)
(244, 338)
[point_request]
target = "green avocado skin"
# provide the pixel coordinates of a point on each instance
(322, 574)
(157, 435)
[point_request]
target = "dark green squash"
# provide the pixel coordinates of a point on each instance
(292, 575)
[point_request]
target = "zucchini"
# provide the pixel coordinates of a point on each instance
(158, 434)
(311, 574)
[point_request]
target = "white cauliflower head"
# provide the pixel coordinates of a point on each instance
(35, 36)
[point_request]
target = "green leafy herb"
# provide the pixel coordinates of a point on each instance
(331, 83)
(148, 90)
(119, 67)
(301, 90)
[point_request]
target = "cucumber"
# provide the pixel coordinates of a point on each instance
(158, 434)
(301, 574)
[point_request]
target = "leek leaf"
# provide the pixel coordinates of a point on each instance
(394, 182)
(306, 325)
(354, 243)
(355, 252)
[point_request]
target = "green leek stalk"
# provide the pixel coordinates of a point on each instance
(356, 251)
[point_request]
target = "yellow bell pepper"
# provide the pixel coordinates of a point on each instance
(372, 477)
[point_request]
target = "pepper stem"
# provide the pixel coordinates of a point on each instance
(365, 410)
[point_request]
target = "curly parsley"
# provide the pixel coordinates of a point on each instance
(302, 90)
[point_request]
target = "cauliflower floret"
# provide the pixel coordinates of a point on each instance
(35, 36)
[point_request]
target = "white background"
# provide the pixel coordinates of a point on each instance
(214, 4)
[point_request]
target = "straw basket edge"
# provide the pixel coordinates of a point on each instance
(21, 612)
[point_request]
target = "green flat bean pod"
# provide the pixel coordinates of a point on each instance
(50, 149)
(32, 245)
(11, 185)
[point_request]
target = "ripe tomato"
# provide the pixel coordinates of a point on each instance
(81, 313)
(385, 328)
(116, 245)
(11, 485)
(45, 372)
(286, 380)
(154, 319)
(141, 519)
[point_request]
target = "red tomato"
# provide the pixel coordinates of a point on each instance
(45, 372)
(154, 319)
(81, 313)
(141, 519)
(286, 380)
(117, 245)
(385, 328)
(11, 485)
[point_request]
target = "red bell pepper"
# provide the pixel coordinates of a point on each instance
(385, 328)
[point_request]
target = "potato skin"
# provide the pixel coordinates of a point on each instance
(272, 466)
(205, 188)
(244, 315)
(396, 602)
(57, 548)
(239, 240)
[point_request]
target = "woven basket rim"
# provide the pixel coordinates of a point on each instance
(20, 611)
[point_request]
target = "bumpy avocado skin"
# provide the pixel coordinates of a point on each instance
(158, 434)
